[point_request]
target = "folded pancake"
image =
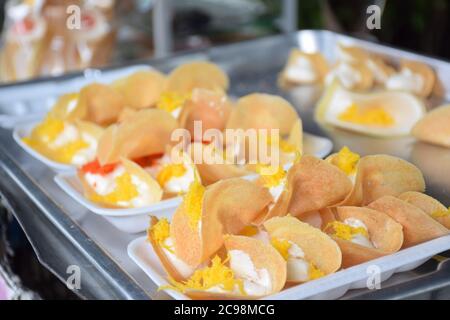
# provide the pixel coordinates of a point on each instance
(212, 164)
(415, 77)
(158, 234)
(375, 63)
(418, 226)
(310, 253)
(364, 234)
(434, 127)
(263, 111)
(252, 269)
(317, 184)
(205, 215)
(429, 205)
(351, 75)
(175, 174)
(141, 134)
(303, 68)
(100, 104)
(66, 109)
(121, 185)
(212, 108)
(141, 89)
(376, 176)
(197, 74)
(64, 141)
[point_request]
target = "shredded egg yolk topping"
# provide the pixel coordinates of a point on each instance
(47, 132)
(160, 231)
(441, 213)
(270, 180)
(346, 160)
(283, 246)
(171, 101)
(371, 116)
(346, 232)
(249, 231)
(217, 274)
(193, 203)
(125, 191)
(170, 171)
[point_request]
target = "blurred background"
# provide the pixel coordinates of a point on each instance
(36, 40)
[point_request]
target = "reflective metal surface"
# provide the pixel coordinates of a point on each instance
(63, 233)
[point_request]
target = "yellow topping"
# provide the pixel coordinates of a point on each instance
(441, 213)
(371, 116)
(216, 275)
(249, 231)
(48, 130)
(282, 246)
(170, 171)
(346, 232)
(286, 147)
(65, 153)
(171, 101)
(346, 160)
(160, 232)
(193, 203)
(314, 272)
(270, 180)
(125, 191)
(45, 133)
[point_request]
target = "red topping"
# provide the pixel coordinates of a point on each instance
(148, 161)
(87, 21)
(94, 167)
(24, 26)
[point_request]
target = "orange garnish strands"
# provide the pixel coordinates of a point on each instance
(94, 167)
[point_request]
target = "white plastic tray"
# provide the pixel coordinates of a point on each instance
(131, 220)
(329, 287)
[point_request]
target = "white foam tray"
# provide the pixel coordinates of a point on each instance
(329, 287)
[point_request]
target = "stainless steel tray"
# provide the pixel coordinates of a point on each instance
(63, 233)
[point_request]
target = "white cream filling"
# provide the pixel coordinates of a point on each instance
(276, 192)
(302, 70)
(176, 112)
(69, 134)
(262, 236)
(181, 184)
(257, 282)
(144, 197)
(405, 80)
(378, 73)
(359, 238)
(71, 105)
(88, 154)
(346, 74)
(297, 266)
(182, 267)
(104, 184)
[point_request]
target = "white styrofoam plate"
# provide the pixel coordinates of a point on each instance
(131, 220)
(23, 130)
(329, 287)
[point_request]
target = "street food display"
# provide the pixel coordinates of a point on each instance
(242, 239)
